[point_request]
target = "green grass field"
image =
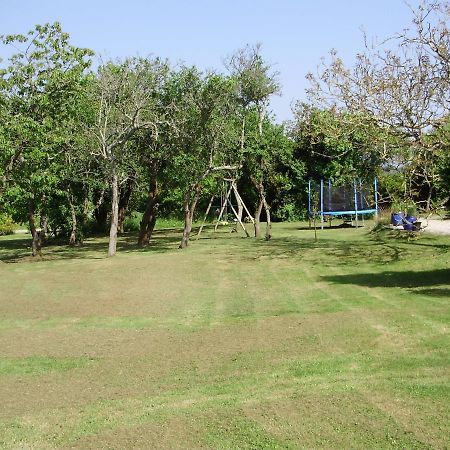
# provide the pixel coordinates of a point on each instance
(232, 344)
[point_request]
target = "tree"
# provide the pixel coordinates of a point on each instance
(339, 145)
(269, 156)
(204, 141)
(156, 151)
(404, 87)
(431, 33)
(256, 82)
(124, 95)
(39, 87)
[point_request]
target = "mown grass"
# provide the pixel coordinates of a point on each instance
(38, 365)
(233, 343)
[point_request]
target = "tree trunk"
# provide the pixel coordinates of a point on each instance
(43, 221)
(187, 226)
(240, 207)
(257, 219)
(124, 202)
(149, 218)
(189, 209)
(261, 114)
(114, 212)
(268, 219)
(44, 227)
(240, 211)
(36, 235)
(73, 234)
(243, 134)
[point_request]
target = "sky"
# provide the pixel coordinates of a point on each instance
(295, 34)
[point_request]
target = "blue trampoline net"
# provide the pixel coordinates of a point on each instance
(342, 200)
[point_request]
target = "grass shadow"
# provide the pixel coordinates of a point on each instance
(328, 251)
(15, 249)
(411, 280)
(333, 247)
(326, 226)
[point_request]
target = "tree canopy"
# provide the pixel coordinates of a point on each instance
(83, 144)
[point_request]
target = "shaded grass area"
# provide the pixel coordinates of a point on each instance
(167, 236)
(234, 343)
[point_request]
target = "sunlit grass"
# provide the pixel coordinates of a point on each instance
(232, 343)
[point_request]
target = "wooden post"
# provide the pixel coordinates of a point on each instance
(237, 217)
(375, 186)
(206, 216)
(361, 200)
(309, 204)
(321, 204)
(222, 208)
(236, 193)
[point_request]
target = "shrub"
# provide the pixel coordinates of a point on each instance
(7, 225)
(288, 212)
(132, 222)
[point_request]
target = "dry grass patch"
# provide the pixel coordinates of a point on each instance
(234, 343)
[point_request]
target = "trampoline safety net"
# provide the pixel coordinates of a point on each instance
(326, 199)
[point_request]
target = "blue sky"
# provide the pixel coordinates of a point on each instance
(294, 34)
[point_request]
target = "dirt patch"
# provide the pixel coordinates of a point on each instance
(436, 226)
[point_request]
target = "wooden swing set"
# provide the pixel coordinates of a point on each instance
(226, 201)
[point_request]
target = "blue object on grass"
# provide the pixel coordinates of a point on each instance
(408, 223)
(397, 218)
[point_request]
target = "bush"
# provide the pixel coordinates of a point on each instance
(288, 212)
(7, 225)
(132, 222)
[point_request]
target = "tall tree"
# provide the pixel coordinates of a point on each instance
(156, 151)
(270, 156)
(403, 83)
(40, 85)
(204, 142)
(256, 83)
(125, 97)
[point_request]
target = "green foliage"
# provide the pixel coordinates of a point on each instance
(441, 139)
(7, 225)
(132, 221)
(41, 86)
(269, 156)
(255, 80)
(289, 212)
(338, 146)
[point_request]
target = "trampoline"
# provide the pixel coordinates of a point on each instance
(354, 201)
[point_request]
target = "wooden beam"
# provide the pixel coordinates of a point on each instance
(236, 193)
(206, 216)
(237, 217)
(222, 208)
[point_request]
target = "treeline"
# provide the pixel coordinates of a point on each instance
(387, 114)
(82, 148)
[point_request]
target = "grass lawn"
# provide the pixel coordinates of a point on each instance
(232, 343)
